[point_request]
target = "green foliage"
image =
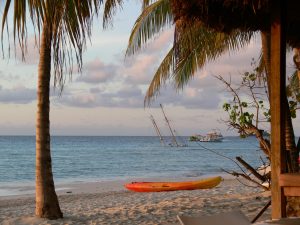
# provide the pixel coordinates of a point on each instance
(237, 114)
(293, 107)
(267, 115)
(293, 92)
(193, 138)
(226, 107)
(244, 104)
(244, 110)
(244, 113)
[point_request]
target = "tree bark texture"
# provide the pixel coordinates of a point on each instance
(293, 203)
(47, 205)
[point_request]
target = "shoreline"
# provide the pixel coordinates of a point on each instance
(19, 189)
(110, 203)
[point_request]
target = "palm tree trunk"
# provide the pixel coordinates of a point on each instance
(293, 203)
(47, 205)
(290, 142)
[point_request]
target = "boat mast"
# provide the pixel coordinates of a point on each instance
(157, 130)
(173, 136)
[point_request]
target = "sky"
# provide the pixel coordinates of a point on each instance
(107, 98)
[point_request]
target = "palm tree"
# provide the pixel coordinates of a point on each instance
(64, 26)
(194, 44)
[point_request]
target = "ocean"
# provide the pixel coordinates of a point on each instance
(109, 158)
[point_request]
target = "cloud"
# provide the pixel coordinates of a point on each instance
(204, 96)
(122, 84)
(9, 77)
(17, 95)
(97, 72)
(125, 97)
(140, 69)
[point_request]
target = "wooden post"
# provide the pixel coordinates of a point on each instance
(277, 98)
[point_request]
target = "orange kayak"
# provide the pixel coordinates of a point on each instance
(173, 186)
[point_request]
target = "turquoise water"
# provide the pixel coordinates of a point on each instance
(115, 158)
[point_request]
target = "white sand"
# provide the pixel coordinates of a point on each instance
(110, 203)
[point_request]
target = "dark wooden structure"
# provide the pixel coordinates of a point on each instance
(281, 17)
(277, 98)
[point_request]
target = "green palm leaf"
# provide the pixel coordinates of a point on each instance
(110, 8)
(199, 46)
(195, 46)
(160, 77)
(71, 23)
(35, 8)
(153, 20)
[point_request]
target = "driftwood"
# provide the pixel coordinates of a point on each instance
(251, 169)
(241, 163)
(247, 177)
(261, 211)
(261, 178)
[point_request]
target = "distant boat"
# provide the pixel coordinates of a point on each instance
(175, 142)
(212, 136)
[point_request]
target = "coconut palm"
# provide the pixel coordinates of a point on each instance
(194, 44)
(62, 28)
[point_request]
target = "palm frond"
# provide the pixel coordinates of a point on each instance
(146, 3)
(160, 77)
(71, 27)
(110, 8)
(194, 47)
(199, 45)
(35, 8)
(153, 20)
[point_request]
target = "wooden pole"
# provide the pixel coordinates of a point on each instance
(277, 98)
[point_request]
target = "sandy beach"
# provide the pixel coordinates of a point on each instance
(110, 203)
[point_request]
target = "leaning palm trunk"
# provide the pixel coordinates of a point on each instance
(47, 205)
(293, 206)
(292, 156)
(293, 203)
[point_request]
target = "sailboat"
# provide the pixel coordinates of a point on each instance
(174, 140)
(175, 143)
(157, 131)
